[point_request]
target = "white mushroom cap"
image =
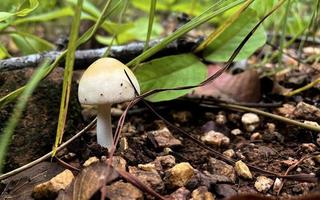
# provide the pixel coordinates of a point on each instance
(106, 82)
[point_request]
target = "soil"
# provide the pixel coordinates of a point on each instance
(278, 146)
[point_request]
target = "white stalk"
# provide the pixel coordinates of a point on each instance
(104, 126)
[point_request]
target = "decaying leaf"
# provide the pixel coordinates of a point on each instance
(244, 87)
(89, 181)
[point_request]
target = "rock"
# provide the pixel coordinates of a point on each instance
(150, 178)
(180, 194)
(256, 136)
(263, 184)
(182, 116)
(50, 189)
(243, 170)
(202, 193)
(229, 153)
(250, 121)
(123, 191)
(119, 163)
(179, 175)
(207, 179)
(167, 161)
(215, 139)
(308, 147)
(271, 127)
(164, 138)
(90, 161)
(277, 184)
(286, 110)
(218, 167)
(148, 167)
(307, 111)
(221, 118)
(236, 132)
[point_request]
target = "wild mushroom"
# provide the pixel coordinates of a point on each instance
(102, 84)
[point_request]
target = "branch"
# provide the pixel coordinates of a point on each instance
(83, 58)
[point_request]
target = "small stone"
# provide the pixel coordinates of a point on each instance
(180, 194)
(116, 112)
(286, 110)
(221, 118)
(202, 193)
(277, 184)
(90, 161)
(218, 167)
(308, 147)
(150, 178)
(229, 153)
(164, 138)
(123, 144)
(263, 184)
(180, 174)
(167, 161)
(147, 167)
(50, 189)
(236, 132)
(215, 139)
(317, 159)
(182, 116)
(307, 111)
(123, 191)
(256, 136)
(250, 121)
(119, 163)
(271, 127)
(243, 170)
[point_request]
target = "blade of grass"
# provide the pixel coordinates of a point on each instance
(213, 11)
(283, 32)
(153, 4)
(67, 79)
(223, 27)
(5, 138)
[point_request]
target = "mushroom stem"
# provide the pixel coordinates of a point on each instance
(104, 127)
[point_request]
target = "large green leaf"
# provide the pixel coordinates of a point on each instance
(223, 46)
(169, 72)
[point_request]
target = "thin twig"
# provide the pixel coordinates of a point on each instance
(48, 155)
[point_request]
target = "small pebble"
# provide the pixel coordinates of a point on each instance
(256, 136)
(180, 194)
(277, 184)
(215, 139)
(180, 174)
(229, 153)
(308, 147)
(236, 132)
(164, 138)
(218, 167)
(250, 121)
(202, 193)
(50, 189)
(263, 184)
(90, 161)
(119, 163)
(123, 191)
(243, 170)
(221, 118)
(150, 178)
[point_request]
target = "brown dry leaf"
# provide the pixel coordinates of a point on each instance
(243, 87)
(89, 181)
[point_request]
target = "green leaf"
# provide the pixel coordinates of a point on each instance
(169, 72)
(3, 52)
(29, 43)
(5, 15)
(139, 31)
(55, 14)
(224, 45)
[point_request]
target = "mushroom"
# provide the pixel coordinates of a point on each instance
(102, 84)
